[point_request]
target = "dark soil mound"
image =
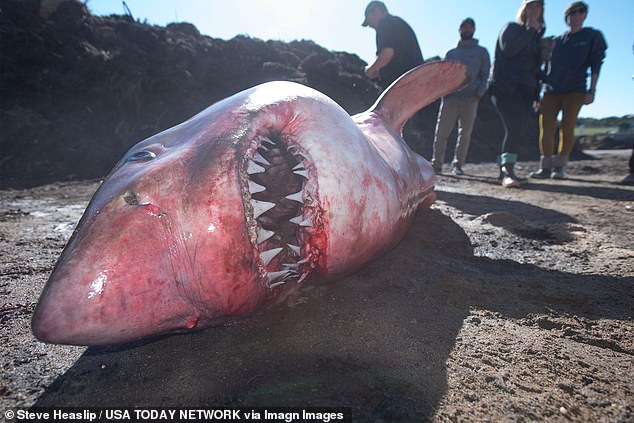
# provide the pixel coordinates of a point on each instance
(78, 90)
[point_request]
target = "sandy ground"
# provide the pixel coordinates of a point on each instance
(499, 305)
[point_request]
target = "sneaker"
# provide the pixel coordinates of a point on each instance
(457, 170)
(541, 174)
(558, 173)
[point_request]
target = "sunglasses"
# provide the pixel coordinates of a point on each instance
(575, 11)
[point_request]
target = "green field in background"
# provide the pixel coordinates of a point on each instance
(598, 130)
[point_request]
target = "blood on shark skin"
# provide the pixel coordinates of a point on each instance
(238, 206)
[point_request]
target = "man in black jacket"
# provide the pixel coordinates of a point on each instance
(396, 44)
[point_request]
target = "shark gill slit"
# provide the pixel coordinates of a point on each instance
(276, 178)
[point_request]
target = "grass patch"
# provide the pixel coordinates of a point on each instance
(595, 130)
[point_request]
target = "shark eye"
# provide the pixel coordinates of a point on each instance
(141, 156)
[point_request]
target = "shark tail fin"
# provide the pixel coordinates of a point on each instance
(418, 88)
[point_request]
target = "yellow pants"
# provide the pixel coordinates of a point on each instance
(569, 104)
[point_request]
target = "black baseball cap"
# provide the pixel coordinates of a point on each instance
(372, 6)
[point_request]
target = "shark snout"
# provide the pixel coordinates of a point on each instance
(117, 282)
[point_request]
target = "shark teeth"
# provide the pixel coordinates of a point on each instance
(260, 207)
(305, 260)
(257, 157)
(296, 197)
(255, 188)
(269, 142)
(264, 234)
(254, 168)
(278, 276)
(299, 220)
(275, 168)
(296, 220)
(267, 256)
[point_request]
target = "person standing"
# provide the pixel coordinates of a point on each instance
(462, 105)
(576, 51)
(514, 82)
(397, 48)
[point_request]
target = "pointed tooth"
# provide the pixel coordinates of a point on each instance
(260, 207)
(302, 172)
(254, 168)
(276, 276)
(299, 220)
(298, 166)
(294, 248)
(296, 197)
(268, 141)
(302, 277)
(273, 285)
(290, 265)
(264, 234)
(305, 260)
(267, 256)
(255, 188)
(264, 147)
(257, 157)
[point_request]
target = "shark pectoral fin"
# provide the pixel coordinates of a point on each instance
(418, 88)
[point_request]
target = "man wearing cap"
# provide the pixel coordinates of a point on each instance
(462, 105)
(396, 44)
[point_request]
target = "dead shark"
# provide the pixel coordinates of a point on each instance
(237, 206)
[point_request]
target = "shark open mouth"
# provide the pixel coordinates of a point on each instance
(280, 209)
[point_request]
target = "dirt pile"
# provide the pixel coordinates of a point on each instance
(78, 90)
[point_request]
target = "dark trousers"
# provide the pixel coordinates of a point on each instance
(514, 110)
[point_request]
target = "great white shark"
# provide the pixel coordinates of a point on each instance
(239, 205)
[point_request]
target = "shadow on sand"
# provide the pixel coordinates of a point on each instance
(377, 341)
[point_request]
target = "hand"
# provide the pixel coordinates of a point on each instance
(537, 106)
(589, 99)
(372, 72)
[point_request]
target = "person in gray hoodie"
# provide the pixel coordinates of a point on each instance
(462, 105)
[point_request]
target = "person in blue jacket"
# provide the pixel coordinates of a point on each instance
(514, 82)
(576, 51)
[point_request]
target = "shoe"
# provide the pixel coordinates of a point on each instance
(628, 180)
(457, 170)
(437, 168)
(545, 165)
(558, 173)
(541, 174)
(509, 178)
(510, 182)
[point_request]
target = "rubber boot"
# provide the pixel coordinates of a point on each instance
(509, 178)
(559, 163)
(545, 168)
